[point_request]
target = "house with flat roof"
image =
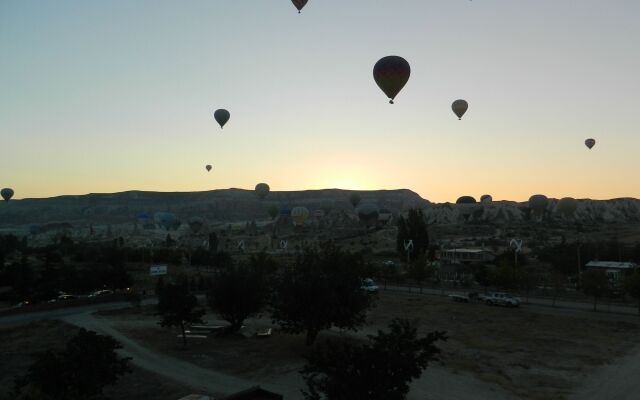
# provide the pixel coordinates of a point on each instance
(615, 270)
(466, 256)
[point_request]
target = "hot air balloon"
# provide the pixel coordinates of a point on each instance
(391, 73)
(486, 198)
(590, 143)
(299, 215)
(196, 224)
(221, 116)
(165, 220)
(538, 204)
(567, 206)
(368, 213)
(459, 107)
(262, 190)
(466, 200)
(299, 4)
(6, 193)
(354, 199)
(208, 167)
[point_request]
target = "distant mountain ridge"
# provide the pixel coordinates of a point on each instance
(215, 205)
(238, 204)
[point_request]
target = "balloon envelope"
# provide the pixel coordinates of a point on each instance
(368, 213)
(221, 116)
(262, 190)
(486, 198)
(208, 167)
(590, 143)
(299, 4)
(466, 200)
(538, 203)
(299, 215)
(391, 73)
(459, 107)
(6, 193)
(567, 206)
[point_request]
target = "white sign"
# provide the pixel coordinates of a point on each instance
(408, 245)
(156, 270)
(516, 245)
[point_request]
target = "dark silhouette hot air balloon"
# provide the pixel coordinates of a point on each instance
(459, 107)
(6, 193)
(208, 167)
(567, 206)
(221, 116)
(299, 4)
(538, 204)
(368, 214)
(262, 190)
(391, 73)
(466, 200)
(590, 143)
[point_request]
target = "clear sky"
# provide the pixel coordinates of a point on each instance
(104, 96)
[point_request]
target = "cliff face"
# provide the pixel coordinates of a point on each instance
(215, 205)
(242, 205)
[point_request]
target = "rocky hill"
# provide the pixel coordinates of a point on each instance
(242, 205)
(215, 205)
(623, 210)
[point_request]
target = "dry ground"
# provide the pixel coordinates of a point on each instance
(533, 355)
(19, 343)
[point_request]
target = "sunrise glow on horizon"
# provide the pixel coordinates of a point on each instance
(101, 97)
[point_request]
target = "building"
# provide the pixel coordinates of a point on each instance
(466, 256)
(615, 270)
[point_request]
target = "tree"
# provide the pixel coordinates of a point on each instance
(237, 293)
(81, 371)
(178, 307)
(414, 228)
(379, 370)
(322, 290)
(631, 284)
(595, 283)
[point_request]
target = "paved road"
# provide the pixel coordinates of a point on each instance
(535, 301)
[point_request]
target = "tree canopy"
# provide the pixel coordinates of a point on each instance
(178, 307)
(322, 290)
(378, 370)
(81, 371)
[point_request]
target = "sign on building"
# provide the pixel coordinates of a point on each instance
(156, 270)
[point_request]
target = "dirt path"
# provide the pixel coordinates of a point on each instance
(200, 379)
(616, 381)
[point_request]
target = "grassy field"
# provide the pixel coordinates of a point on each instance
(532, 354)
(18, 344)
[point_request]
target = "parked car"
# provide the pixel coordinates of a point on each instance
(99, 293)
(501, 299)
(369, 285)
(472, 297)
